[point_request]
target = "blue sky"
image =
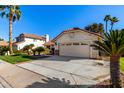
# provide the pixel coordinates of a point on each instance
(52, 20)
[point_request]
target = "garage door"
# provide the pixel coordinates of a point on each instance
(74, 50)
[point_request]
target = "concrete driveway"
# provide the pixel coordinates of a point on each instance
(69, 70)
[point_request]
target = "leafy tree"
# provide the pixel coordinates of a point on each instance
(95, 27)
(28, 48)
(1, 39)
(40, 49)
(34, 51)
(113, 45)
(3, 50)
(13, 13)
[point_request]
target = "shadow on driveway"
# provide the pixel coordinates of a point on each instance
(57, 83)
(61, 58)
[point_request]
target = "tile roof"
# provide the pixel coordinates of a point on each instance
(4, 43)
(32, 36)
(49, 43)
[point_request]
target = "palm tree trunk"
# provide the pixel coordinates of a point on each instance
(111, 27)
(106, 26)
(10, 34)
(115, 71)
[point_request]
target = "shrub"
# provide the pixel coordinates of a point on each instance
(15, 51)
(28, 48)
(47, 51)
(3, 50)
(40, 49)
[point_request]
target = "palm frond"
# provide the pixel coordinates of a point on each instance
(2, 14)
(100, 46)
(14, 18)
(18, 14)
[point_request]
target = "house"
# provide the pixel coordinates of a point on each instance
(50, 45)
(76, 43)
(4, 43)
(27, 39)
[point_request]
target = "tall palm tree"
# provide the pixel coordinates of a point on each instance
(113, 21)
(113, 45)
(13, 13)
(106, 19)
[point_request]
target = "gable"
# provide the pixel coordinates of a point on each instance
(76, 36)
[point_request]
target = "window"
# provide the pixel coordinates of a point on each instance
(62, 44)
(68, 44)
(83, 44)
(34, 40)
(75, 43)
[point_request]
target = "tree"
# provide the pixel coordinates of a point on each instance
(95, 27)
(34, 51)
(113, 45)
(3, 50)
(13, 13)
(40, 49)
(113, 21)
(28, 48)
(106, 19)
(1, 39)
(100, 28)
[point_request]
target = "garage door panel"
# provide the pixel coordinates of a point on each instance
(75, 50)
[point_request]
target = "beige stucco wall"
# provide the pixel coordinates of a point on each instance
(83, 37)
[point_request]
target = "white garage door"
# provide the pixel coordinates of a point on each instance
(75, 50)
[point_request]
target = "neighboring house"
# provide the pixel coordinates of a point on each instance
(4, 43)
(50, 45)
(76, 42)
(27, 39)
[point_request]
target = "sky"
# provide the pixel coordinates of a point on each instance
(52, 20)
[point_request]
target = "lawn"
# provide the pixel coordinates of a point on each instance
(122, 64)
(15, 58)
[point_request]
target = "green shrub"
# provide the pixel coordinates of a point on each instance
(47, 51)
(27, 48)
(3, 50)
(40, 49)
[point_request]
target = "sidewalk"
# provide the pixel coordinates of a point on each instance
(13, 76)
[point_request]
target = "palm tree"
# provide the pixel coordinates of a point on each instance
(13, 13)
(113, 20)
(106, 19)
(113, 45)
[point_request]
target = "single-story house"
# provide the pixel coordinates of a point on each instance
(76, 43)
(26, 39)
